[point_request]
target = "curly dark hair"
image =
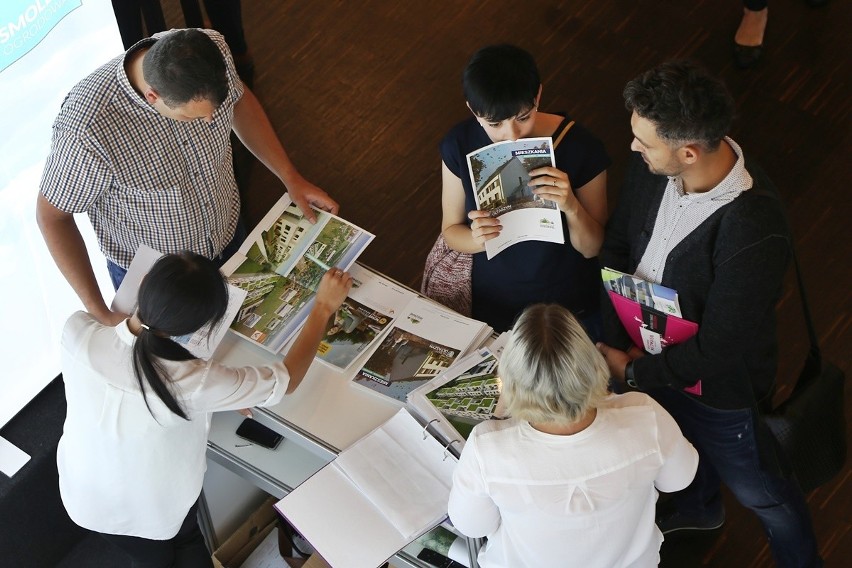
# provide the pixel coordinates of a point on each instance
(684, 101)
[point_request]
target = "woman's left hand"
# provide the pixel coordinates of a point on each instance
(553, 184)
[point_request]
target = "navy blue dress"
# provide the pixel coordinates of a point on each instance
(534, 271)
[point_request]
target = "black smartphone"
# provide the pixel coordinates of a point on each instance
(438, 560)
(259, 434)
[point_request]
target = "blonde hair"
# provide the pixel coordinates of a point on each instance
(551, 370)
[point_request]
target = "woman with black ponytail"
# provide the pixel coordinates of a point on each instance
(132, 455)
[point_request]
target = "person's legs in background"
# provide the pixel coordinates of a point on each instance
(226, 18)
(729, 448)
(748, 41)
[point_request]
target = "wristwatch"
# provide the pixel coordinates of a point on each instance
(629, 376)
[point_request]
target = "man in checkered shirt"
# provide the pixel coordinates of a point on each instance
(143, 146)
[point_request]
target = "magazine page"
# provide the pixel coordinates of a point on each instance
(373, 304)
(424, 340)
(203, 342)
(280, 266)
(461, 397)
(499, 174)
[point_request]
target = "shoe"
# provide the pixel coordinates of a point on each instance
(676, 522)
(747, 56)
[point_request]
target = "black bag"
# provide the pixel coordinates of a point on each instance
(810, 425)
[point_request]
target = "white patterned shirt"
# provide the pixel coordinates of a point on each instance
(141, 177)
(122, 469)
(681, 213)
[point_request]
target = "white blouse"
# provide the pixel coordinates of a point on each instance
(123, 470)
(584, 500)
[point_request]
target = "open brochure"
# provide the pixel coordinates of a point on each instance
(378, 495)
(650, 313)
(280, 266)
(461, 397)
(374, 302)
(499, 175)
(203, 342)
(424, 340)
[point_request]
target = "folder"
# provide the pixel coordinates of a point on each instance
(377, 496)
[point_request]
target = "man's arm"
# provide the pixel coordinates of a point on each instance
(255, 131)
(68, 250)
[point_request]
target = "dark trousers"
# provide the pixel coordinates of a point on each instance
(117, 273)
(185, 550)
(733, 451)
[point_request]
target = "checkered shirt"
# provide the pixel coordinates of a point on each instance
(681, 213)
(141, 177)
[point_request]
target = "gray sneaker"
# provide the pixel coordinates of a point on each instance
(677, 521)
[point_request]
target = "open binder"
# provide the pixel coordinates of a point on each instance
(376, 497)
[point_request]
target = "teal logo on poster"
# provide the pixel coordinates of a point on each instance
(25, 23)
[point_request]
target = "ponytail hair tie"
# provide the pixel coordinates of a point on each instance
(144, 326)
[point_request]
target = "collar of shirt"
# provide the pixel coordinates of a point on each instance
(124, 80)
(122, 330)
(737, 181)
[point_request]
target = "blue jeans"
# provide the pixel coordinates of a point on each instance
(732, 451)
(117, 273)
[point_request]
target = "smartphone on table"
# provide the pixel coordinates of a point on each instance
(257, 433)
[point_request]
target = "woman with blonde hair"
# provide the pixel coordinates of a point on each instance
(571, 478)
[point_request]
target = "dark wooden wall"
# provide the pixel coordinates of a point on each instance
(362, 91)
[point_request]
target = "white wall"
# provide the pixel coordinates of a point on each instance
(46, 46)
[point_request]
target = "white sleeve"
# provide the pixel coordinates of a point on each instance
(233, 388)
(471, 509)
(680, 459)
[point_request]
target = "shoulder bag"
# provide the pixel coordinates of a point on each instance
(810, 426)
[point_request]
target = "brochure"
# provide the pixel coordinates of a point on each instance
(203, 342)
(650, 313)
(646, 293)
(424, 340)
(499, 174)
(461, 397)
(359, 324)
(280, 266)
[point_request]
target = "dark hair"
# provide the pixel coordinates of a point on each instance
(500, 81)
(684, 101)
(181, 294)
(186, 65)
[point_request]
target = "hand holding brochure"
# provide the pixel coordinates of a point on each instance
(373, 304)
(280, 265)
(650, 313)
(499, 175)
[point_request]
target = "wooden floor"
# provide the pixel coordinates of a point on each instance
(362, 91)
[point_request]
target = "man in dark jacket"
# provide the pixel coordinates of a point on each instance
(701, 219)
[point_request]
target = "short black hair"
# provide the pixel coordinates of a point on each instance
(685, 102)
(186, 65)
(181, 293)
(500, 81)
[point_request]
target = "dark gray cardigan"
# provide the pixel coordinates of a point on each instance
(728, 274)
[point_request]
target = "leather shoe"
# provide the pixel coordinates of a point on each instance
(676, 521)
(747, 56)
